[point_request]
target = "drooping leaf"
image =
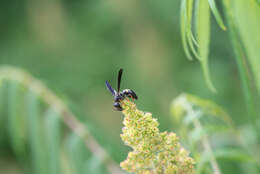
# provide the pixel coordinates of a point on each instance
(95, 165)
(184, 28)
(77, 153)
(258, 1)
(203, 37)
(2, 111)
(16, 120)
(185, 102)
(203, 161)
(38, 148)
(43, 133)
(190, 38)
(242, 26)
(216, 13)
(198, 133)
(191, 42)
(65, 162)
(193, 113)
(234, 154)
(52, 133)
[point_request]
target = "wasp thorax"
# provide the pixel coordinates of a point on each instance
(130, 93)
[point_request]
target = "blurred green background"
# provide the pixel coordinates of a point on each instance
(74, 46)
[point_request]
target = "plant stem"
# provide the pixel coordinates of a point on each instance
(208, 149)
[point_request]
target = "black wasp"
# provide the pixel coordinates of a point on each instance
(118, 96)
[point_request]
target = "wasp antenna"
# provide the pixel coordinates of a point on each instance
(110, 88)
(119, 79)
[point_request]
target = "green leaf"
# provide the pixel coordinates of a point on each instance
(190, 38)
(38, 148)
(77, 153)
(15, 119)
(203, 161)
(195, 112)
(234, 155)
(243, 20)
(190, 118)
(184, 26)
(191, 42)
(197, 133)
(216, 14)
(95, 165)
(2, 111)
(209, 108)
(200, 48)
(185, 103)
(258, 1)
(203, 37)
(65, 162)
(52, 132)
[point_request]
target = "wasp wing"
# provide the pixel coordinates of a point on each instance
(110, 88)
(119, 79)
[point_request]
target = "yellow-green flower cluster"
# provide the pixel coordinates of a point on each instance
(154, 152)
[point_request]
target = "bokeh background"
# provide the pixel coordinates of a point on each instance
(74, 46)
